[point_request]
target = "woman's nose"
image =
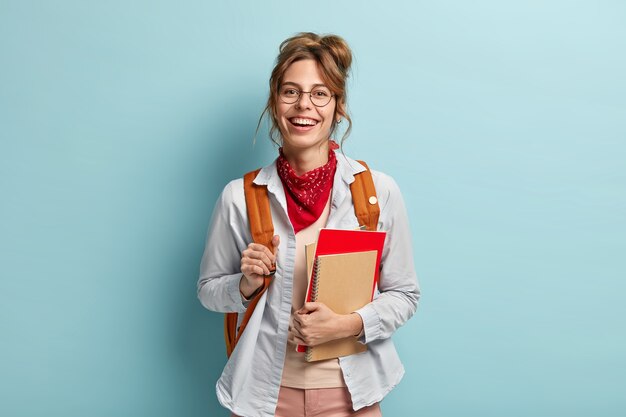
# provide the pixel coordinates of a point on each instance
(304, 101)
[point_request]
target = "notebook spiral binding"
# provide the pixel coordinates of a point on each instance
(315, 283)
(314, 290)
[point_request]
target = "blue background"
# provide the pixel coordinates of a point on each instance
(503, 122)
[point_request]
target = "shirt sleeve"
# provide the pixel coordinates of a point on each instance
(398, 287)
(220, 268)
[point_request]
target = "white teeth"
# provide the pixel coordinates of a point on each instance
(300, 121)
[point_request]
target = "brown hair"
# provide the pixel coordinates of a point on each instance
(333, 57)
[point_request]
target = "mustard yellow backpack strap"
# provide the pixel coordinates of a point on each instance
(262, 230)
(364, 198)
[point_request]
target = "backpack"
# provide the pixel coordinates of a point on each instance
(262, 229)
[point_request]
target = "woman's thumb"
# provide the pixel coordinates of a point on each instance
(275, 243)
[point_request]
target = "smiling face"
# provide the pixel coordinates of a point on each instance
(302, 124)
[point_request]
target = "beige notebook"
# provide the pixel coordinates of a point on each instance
(345, 283)
(309, 256)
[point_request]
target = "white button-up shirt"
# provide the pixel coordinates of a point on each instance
(250, 381)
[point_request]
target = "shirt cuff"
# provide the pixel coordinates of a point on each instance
(361, 334)
(240, 304)
(245, 301)
(371, 324)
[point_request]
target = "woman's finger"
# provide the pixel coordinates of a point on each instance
(298, 341)
(291, 336)
(310, 307)
(261, 256)
(298, 320)
(255, 262)
(294, 333)
(297, 330)
(251, 270)
(257, 247)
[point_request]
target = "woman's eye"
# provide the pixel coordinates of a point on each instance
(321, 93)
(290, 91)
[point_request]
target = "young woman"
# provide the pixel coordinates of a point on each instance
(309, 188)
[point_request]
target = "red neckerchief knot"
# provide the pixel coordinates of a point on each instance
(307, 194)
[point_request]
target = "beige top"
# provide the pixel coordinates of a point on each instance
(297, 372)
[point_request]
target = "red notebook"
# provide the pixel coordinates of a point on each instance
(335, 241)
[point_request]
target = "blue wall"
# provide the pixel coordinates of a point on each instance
(503, 122)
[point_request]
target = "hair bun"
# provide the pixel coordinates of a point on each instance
(340, 50)
(333, 44)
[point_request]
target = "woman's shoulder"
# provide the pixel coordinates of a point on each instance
(384, 181)
(387, 188)
(233, 194)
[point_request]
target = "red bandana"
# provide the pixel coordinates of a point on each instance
(306, 195)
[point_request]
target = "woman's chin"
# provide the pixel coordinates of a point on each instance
(300, 142)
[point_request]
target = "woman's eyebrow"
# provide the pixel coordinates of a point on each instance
(299, 86)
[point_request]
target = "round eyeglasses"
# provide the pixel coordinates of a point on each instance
(320, 96)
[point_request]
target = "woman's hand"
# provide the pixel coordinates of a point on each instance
(315, 324)
(256, 261)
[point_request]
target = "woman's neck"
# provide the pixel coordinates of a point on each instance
(305, 160)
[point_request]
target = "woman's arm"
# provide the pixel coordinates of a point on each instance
(220, 269)
(399, 290)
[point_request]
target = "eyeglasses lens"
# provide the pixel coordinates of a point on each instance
(319, 96)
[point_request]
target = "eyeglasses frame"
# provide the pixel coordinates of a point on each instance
(300, 92)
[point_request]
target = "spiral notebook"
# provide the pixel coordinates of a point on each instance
(341, 241)
(337, 241)
(344, 283)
